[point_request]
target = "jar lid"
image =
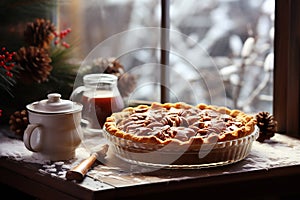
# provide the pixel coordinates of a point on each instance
(54, 105)
(99, 79)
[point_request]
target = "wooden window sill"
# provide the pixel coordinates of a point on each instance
(260, 174)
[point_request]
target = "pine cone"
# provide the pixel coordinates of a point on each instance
(34, 63)
(39, 33)
(18, 123)
(108, 65)
(267, 126)
(126, 82)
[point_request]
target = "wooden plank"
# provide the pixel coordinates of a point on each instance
(287, 72)
(26, 177)
(164, 51)
(32, 187)
(252, 184)
(293, 72)
(281, 62)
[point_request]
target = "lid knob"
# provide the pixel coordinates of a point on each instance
(53, 97)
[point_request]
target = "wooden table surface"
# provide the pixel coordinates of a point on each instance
(264, 173)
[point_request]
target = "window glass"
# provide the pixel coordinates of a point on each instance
(221, 51)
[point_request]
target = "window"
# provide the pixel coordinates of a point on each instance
(206, 40)
(280, 98)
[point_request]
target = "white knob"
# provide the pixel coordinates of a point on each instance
(53, 97)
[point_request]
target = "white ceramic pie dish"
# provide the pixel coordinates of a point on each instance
(166, 156)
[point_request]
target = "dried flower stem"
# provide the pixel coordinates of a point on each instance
(239, 85)
(245, 53)
(257, 90)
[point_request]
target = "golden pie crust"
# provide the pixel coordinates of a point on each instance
(178, 126)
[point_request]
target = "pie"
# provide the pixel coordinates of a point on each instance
(181, 134)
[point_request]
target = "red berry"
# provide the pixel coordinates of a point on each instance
(65, 44)
(9, 74)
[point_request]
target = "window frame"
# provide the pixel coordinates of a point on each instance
(286, 67)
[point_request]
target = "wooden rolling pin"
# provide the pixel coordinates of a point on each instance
(78, 172)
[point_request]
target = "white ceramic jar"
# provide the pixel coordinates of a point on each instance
(54, 129)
